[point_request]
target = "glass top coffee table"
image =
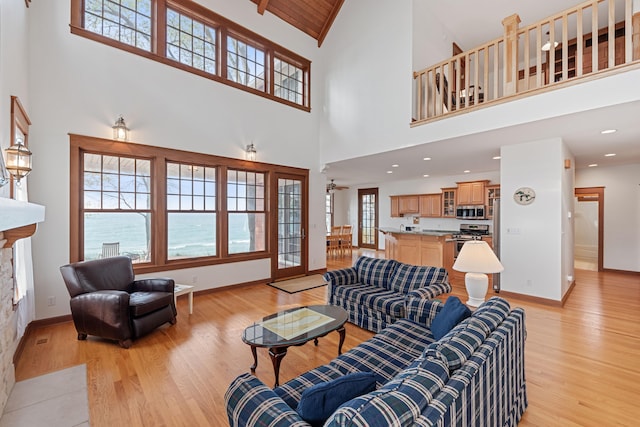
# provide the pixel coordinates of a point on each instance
(293, 327)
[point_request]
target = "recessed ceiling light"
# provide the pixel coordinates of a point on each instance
(593, 165)
(425, 176)
(394, 166)
(606, 131)
(427, 158)
(610, 155)
(496, 157)
(389, 171)
(467, 171)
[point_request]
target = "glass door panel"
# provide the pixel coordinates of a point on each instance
(368, 218)
(290, 233)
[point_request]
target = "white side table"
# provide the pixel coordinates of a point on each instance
(182, 290)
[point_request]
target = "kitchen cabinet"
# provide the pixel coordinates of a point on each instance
(430, 205)
(431, 251)
(415, 249)
(448, 202)
(402, 205)
(395, 207)
(390, 246)
(456, 278)
(408, 204)
(408, 250)
(471, 193)
(493, 193)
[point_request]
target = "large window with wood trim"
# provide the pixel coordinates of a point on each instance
(191, 211)
(116, 208)
(246, 211)
(168, 209)
(186, 35)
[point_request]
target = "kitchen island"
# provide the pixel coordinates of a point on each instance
(420, 247)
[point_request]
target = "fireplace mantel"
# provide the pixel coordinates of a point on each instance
(18, 219)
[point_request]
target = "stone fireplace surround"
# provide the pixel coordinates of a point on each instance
(17, 220)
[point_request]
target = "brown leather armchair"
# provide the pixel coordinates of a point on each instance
(107, 302)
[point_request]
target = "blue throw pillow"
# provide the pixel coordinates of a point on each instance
(318, 402)
(451, 314)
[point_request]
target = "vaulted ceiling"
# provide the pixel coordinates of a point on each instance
(313, 17)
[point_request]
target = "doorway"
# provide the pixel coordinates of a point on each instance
(588, 228)
(368, 218)
(290, 228)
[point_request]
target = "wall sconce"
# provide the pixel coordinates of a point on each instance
(18, 161)
(251, 152)
(120, 130)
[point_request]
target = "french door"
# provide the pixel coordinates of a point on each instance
(290, 233)
(368, 218)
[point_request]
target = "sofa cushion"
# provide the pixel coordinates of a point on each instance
(460, 343)
(397, 403)
(141, 303)
(492, 312)
(374, 271)
(451, 314)
(373, 298)
(321, 400)
(408, 277)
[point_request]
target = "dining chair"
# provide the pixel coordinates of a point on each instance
(346, 240)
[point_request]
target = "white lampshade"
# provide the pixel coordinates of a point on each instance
(476, 256)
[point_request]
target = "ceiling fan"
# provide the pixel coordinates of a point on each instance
(332, 187)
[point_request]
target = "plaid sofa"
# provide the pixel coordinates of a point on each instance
(473, 376)
(375, 291)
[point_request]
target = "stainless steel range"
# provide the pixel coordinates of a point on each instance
(469, 232)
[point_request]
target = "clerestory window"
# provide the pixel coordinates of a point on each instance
(185, 35)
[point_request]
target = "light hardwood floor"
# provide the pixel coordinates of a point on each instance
(581, 360)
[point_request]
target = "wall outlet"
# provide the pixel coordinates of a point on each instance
(529, 283)
(51, 301)
(194, 280)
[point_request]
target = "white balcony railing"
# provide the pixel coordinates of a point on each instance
(570, 45)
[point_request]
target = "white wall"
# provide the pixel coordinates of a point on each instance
(533, 246)
(82, 86)
(621, 213)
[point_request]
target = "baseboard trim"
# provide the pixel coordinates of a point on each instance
(530, 298)
(32, 326)
(611, 270)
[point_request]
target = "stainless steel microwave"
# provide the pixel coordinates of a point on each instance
(471, 212)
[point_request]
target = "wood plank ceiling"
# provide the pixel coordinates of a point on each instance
(313, 17)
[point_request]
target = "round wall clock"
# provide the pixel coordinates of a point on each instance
(524, 196)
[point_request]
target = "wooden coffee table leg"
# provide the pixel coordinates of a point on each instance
(341, 331)
(277, 354)
(255, 359)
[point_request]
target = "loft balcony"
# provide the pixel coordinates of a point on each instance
(588, 41)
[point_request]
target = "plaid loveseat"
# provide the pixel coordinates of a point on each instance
(375, 291)
(473, 376)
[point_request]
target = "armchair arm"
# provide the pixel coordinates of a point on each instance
(422, 310)
(251, 403)
(345, 276)
(102, 313)
(156, 284)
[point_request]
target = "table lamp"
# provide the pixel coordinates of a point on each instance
(477, 259)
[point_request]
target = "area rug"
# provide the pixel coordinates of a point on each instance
(300, 284)
(58, 399)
